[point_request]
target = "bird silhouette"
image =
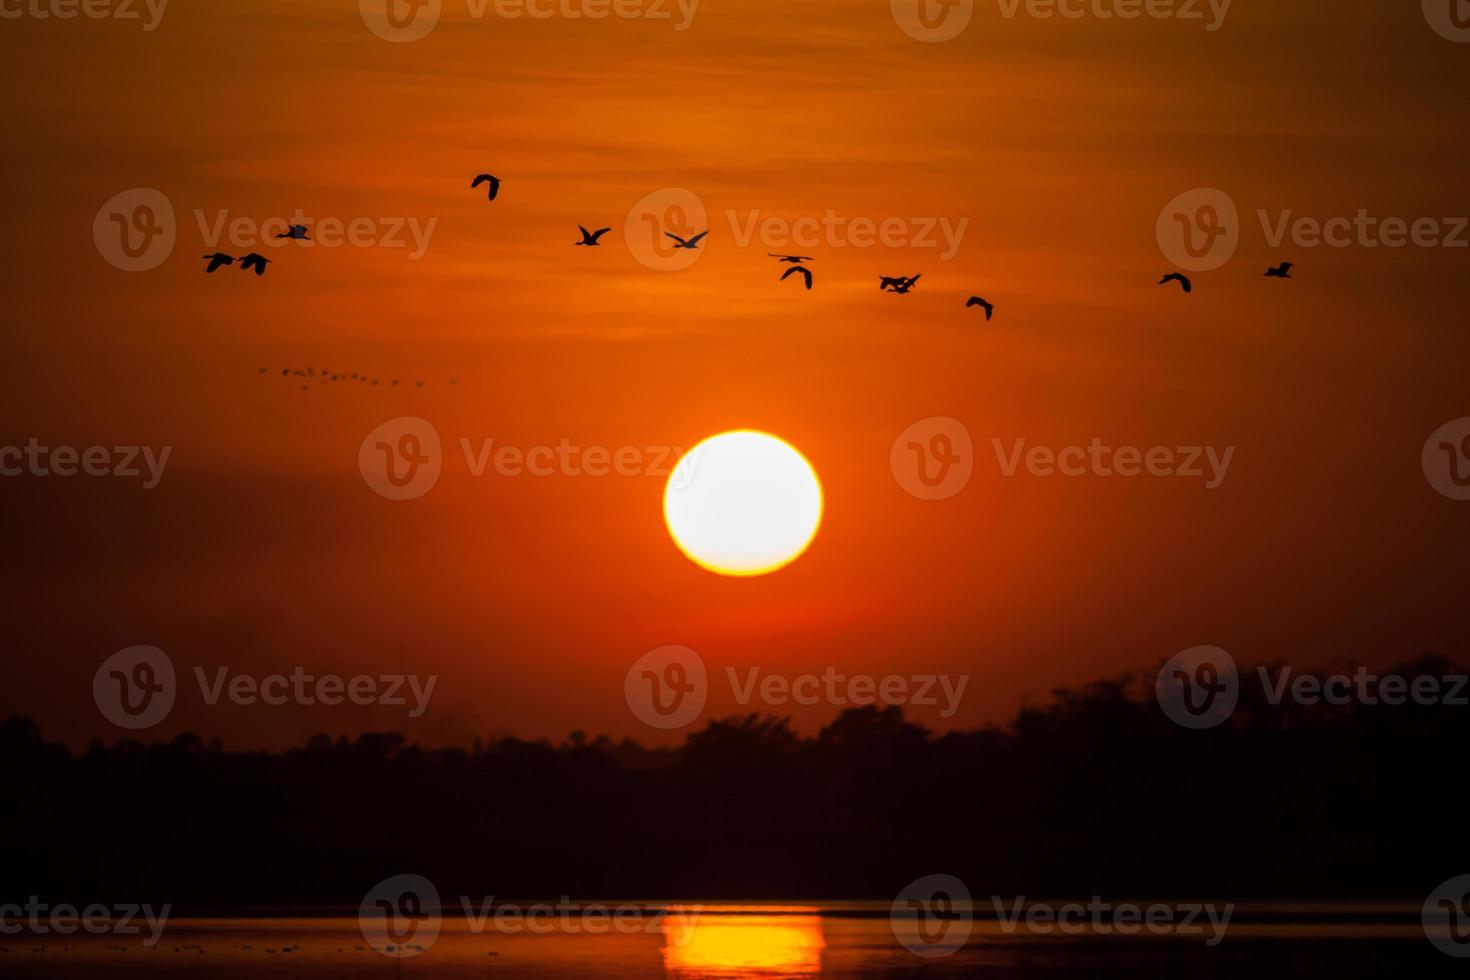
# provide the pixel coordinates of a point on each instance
(1282, 271)
(493, 181)
(790, 258)
(806, 273)
(591, 237)
(977, 301)
(254, 261)
(899, 284)
(218, 259)
(1180, 278)
(687, 243)
(297, 233)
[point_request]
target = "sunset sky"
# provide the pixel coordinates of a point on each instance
(1056, 141)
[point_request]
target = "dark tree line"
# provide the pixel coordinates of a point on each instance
(1095, 792)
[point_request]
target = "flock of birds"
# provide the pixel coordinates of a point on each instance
(309, 374)
(892, 284)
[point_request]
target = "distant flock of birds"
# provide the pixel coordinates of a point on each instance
(892, 284)
(324, 376)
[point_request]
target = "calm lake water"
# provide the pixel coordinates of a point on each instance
(710, 941)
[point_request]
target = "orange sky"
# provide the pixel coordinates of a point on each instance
(1057, 141)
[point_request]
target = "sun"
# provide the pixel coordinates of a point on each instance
(743, 503)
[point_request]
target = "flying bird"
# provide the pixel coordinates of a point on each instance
(1282, 271)
(591, 237)
(977, 301)
(1180, 278)
(254, 261)
(794, 259)
(899, 284)
(493, 181)
(687, 243)
(807, 273)
(297, 233)
(218, 259)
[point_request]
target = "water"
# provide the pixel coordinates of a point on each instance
(724, 942)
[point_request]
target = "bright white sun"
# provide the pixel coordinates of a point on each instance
(743, 503)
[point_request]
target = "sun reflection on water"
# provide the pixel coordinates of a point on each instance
(754, 945)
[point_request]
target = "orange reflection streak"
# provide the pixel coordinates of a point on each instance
(745, 946)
